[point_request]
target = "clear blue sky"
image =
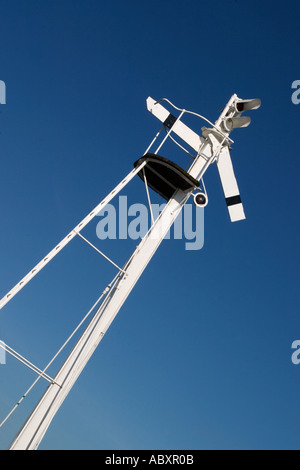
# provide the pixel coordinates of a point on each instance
(200, 355)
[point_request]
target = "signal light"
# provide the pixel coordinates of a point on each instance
(236, 122)
(245, 105)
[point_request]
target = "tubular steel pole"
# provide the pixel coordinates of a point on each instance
(38, 422)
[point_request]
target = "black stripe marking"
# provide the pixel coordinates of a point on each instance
(233, 200)
(170, 121)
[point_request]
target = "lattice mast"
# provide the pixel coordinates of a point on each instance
(175, 185)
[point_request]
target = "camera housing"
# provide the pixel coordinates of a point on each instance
(200, 200)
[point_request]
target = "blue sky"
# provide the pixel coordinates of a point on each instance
(199, 357)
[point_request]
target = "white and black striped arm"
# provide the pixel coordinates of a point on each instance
(230, 186)
(177, 126)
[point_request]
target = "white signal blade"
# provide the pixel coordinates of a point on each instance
(230, 187)
(170, 121)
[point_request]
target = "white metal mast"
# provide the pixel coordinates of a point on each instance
(212, 146)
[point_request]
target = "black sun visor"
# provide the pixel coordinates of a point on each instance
(164, 176)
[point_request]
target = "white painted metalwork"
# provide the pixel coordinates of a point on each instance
(100, 252)
(106, 290)
(211, 147)
(26, 362)
(69, 237)
(148, 196)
